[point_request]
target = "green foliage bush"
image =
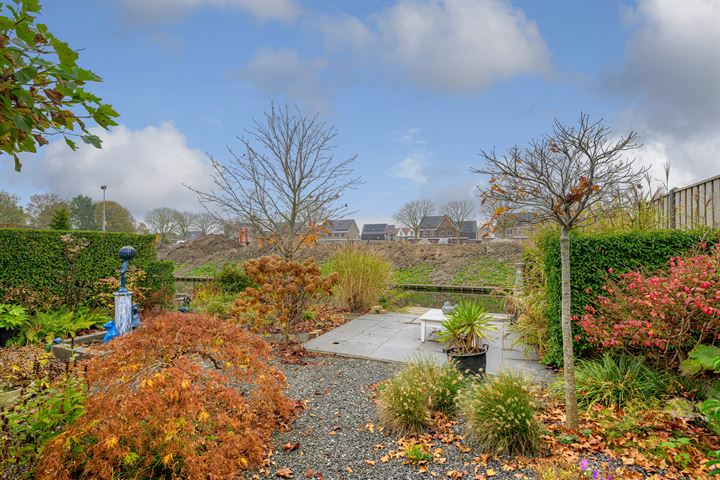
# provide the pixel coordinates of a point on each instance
(33, 263)
(500, 416)
(43, 327)
(363, 276)
(406, 400)
(12, 317)
(60, 219)
(42, 415)
(232, 279)
(591, 255)
(616, 380)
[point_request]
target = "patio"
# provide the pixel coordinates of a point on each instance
(395, 337)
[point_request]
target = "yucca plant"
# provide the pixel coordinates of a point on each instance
(615, 380)
(466, 329)
(500, 416)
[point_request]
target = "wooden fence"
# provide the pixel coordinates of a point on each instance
(697, 205)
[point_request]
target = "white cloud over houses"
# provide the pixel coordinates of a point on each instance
(412, 168)
(143, 169)
(670, 78)
(450, 46)
(283, 72)
(266, 10)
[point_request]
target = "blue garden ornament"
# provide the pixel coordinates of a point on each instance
(111, 331)
(126, 254)
(135, 317)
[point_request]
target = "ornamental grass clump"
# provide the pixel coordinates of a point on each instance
(185, 396)
(616, 380)
(363, 276)
(500, 416)
(407, 400)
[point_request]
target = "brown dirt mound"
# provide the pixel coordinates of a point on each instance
(446, 259)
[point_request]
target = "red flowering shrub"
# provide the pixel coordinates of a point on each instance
(662, 316)
(184, 396)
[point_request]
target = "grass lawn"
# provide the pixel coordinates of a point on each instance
(207, 270)
(416, 275)
(486, 271)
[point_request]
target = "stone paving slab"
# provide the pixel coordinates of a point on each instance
(395, 337)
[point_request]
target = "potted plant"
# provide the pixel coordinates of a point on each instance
(466, 333)
(12, 317)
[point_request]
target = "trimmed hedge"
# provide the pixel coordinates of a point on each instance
(591, 255)
(34, 260)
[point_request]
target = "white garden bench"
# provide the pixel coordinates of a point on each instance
(433, 318)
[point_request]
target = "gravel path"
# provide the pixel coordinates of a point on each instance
(332, 432)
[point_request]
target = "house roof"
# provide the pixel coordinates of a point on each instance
(403, 231)
(431, 222)
(341, 225)
(374, 228)
(469, 226)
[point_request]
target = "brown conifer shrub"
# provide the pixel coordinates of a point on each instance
(184, 396)
(284, 291)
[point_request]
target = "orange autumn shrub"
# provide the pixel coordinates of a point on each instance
(284, 291)
(184, 396)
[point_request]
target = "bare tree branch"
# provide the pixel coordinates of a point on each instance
(411, 214)
(459, 212)
(573, 175)
(287, 183)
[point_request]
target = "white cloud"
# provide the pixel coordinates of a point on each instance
(450, 46)
(671, 80)
(412, 168)
(266, 10)
(283, 72)
(143, 169)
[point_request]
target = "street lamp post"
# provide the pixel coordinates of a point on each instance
(103, 188)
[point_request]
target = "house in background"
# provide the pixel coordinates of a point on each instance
(435, 228)
(340, 231)
(470, 231)
(439, 229)
(404, 233)
(516, 226)
(378, 231)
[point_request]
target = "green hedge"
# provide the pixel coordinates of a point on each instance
(591, 255)
(35, 260)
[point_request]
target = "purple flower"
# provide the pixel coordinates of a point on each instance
(583, 464)
(596, 474)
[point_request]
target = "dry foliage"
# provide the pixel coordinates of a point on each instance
(284, 292)
(185, 396)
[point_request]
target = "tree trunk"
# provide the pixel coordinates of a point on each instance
(571, 411)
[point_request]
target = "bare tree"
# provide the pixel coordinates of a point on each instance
(183, 223)
(163, 221)
(286, 182)
(411, 214)
(459, 212)
(205, 222)
(564, 177)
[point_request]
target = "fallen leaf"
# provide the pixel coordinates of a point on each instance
(291, 446)
(348, 469)
(454, 474)
(370, 462)
(490, 472)
(284, 473)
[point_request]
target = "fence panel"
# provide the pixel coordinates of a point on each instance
(689, 207)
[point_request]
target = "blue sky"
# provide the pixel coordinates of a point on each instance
(415, 89)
